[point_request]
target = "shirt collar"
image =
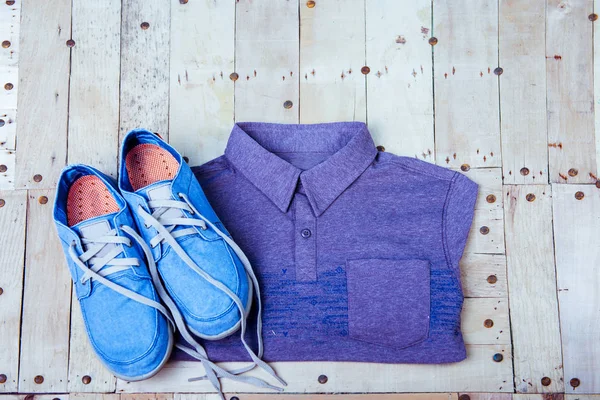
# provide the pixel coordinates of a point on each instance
(252, 146)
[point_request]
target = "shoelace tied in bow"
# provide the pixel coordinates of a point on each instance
(165, 226)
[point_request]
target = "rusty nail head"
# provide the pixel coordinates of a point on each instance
(10, 2)
(6, 44)
(593, 17)
(8, 86)
(3, 168)
(2, 122)
(546, 381)
(86, 379)
(465, 167)
(498, 71)
(530, 197)
(42, 200)
(365, 70)
(38, 379)
(492, 279)
(29, 397)
(484, 230)
(579, 195)
(464, 397)
(310, 4)
(234, 398)
(490, 198)
(37, 178)
(183, 1)
(573, 172)
(1, 291)
(2, 203)
(380, 148)
(575, 382)
(145, 25)
(524, 171)
(3, 378)
(598, 184)
(498, 357)
(433, 41)
(234, 76)
(288, 104)
(186, 159)
(322, 379)
(70, 43)
(488, 323)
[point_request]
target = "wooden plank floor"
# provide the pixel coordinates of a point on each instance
(503, 91)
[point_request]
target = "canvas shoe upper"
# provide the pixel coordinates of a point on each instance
(126, 325)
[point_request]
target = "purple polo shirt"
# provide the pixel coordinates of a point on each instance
(356, 250)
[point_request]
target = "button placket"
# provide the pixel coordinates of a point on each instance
(305, 239)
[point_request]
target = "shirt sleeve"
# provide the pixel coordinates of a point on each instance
(458, 216)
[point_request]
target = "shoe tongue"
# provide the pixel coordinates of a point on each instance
(161, 191)
(94, 228)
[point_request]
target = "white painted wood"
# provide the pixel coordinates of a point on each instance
(369, 396)
(476, 312)
(570, 94)
(7, 164)
(36, 397)
(466, 88)
(596, 64)
(10, 22)
(94, 396)
(13, 208)
(95, 70)
(483, 275)
(201, 99)
(533, 302)
(582, 397)
(477, 373)
(266, 61)
(400, 85)
(488, 396)
(46, 302)
(44, 92)
(145, 66)
(332, 52)
(147, 396)
(576, 232)
(523, 91)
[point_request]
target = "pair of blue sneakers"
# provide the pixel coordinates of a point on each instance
(149, 256)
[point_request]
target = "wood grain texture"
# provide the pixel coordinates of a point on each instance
(94, 88)
(8, 165)
(12, 236)
(94, 396)
(523, 91)
(466, 88)
(145, 66)
(44, 92)
(570, 92)
(10, 23)
(267, 61)
(533, 302)
(332, 52)
(46, 302)
(483, 275)
(399, 84)
(271, 396)
(576, 232)
(202, 102)
(477, 373)
(485, 321)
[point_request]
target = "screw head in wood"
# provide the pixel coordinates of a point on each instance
(2, 203)
(3, 168)
(37, 178)
(144, 25)
(380, 148)
(498, 71)
(573, 172)
(186, 159)
(29, 397)
(593, 17)
(2, 122)
(464, 397)
(1, 291)
(579, 195)
(492, 279)
(234, 398)
(70, 43)
(10, 2)
(38, 379)
(43, 200)
(530, 197)
(234, 76)
(310, 4)
(498, 357)
(465, 167)
(288, 104)
(183, 1)
(365, 70)
(484, 230)
(86, 379)
(433, 41)
(575, 382)
(6, 44)
(8, 86)
(3, 378)
(488, 323)
(490, 198)
(598, 184)
(546, 381)
(322, 379)
(524, 171)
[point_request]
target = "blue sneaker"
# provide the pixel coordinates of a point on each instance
(126, 324)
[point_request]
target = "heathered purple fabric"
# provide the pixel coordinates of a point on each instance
(356, 250)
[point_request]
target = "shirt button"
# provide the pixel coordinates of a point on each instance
(306, 233)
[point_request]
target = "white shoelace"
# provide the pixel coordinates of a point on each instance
(165, 226)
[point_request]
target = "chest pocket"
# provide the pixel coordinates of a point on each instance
(388, 301)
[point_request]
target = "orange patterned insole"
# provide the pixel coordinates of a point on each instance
(88, 198)
(147, 163)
